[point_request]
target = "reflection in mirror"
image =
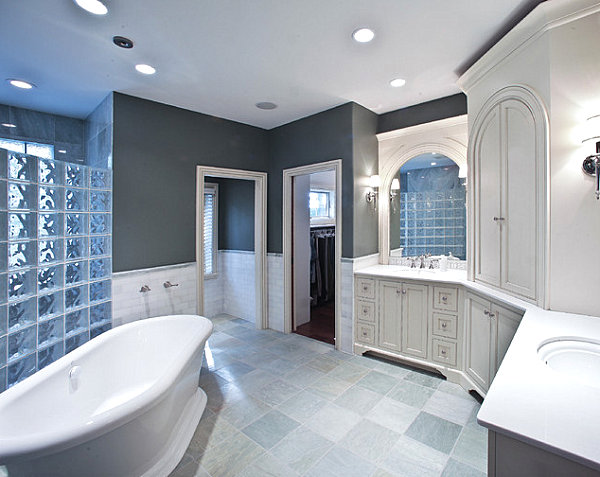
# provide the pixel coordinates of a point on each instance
(427, 213)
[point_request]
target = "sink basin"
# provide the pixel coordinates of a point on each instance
(577, 359)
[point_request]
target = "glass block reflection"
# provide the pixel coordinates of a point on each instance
(100, 291)
(76, 248)
(76, 297)
(22, 254)
(55, 231)
(50, 354)
(76, 224)
(77, 322)
(51, 331)
(50, 251)
(100, 246)
(50, 305)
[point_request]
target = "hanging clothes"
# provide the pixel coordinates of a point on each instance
(322, 265)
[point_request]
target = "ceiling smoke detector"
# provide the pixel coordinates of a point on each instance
(123, 42)
(266, 105)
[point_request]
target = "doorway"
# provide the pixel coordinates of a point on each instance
(312, 251)
(239, 254)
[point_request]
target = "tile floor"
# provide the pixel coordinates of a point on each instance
(286, 405)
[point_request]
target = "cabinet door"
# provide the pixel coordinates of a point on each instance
(390, 302)
(507, 322)
(519, 193)
(487, 161)
(414, 320)
(481, 339)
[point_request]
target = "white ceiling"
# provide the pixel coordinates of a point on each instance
(220, 57)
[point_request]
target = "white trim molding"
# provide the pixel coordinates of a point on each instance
(260, 233)
(446, 136)
(288, 175)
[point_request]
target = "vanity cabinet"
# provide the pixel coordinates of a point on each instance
(507, 197)
(490, 328)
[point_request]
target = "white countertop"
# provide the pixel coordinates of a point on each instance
(528, 400)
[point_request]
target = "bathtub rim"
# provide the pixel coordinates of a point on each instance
(25, 447)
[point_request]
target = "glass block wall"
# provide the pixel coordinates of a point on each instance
(433, 222)
(55, 260)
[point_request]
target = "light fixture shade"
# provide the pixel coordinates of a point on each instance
(395, 184)
(462, 171)
(375, 181)
(592, 129)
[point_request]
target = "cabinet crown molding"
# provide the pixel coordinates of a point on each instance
(545, 17)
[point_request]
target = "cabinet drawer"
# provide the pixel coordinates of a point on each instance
(444, 352)
(444, 325)
(365, 288)
(365, 333)
(365, 311)
(445, 298)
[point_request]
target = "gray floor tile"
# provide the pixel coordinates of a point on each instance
(369, 440)
(434, 432)
(270, 429)
(329, 388)
(471, 448)
(301, 449)
(364, 361)
(254, 380)
(393, 414)
(323, 364)
(409, 458)
(340, 462)
(411, 394)
(378, 382)
(303, 376)
(333, 422)
(392, 369)
(234, 371)
(245, 411)
(302, 406)
(210, 432)
(348, 372)
(230, 457)
(424, 379)
(267, 466)
(276, 392)
(458, 469)
(450, 407)
(358, 400)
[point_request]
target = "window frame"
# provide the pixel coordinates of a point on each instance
(318, 221)
(26, 145)
(213, 188)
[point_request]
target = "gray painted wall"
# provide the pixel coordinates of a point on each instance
(318, 138)
(442, 108)
(365, 163)
(99, 135)
(155, 152)
(62, 132)
(236, 213)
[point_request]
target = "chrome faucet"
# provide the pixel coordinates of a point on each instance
(422, 257)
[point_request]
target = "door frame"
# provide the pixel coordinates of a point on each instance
(260, 234)
(288, 176)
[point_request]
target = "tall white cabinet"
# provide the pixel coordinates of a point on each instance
(508, 157)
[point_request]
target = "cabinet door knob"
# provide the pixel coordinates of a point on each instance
(444, 298)
(444, 324)
(492, 315)
(486, 312)
(404, 292)
(498, 219)
(443, 351)
(365, 287)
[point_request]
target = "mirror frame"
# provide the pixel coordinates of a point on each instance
(447, 137)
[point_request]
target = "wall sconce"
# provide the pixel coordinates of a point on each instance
(394, 189)
(591, 164)
(374, 183)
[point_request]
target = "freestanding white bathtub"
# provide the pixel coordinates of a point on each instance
(126, 403)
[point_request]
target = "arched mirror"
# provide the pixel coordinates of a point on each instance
(428, 208)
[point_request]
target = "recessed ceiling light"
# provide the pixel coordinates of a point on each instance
(434, 163)
(62, 151)
(363, 35)
(93, 6)
(145, 69)
(398, 82)
(20, 83)
(9, 125)
(266, 105)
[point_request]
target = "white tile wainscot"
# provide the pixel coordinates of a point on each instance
(275, 291)
(238, 281)
(129, 304)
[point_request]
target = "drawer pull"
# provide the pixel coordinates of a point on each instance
(444, 298)
(443, 352)
(486, 312)
(364, 333)
(444, 324)
(365, 311)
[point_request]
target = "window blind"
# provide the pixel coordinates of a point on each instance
(209, 231)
